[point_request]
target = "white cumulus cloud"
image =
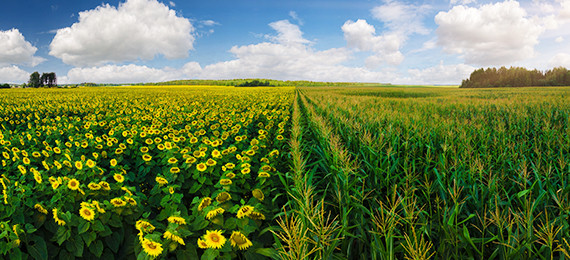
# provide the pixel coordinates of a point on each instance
(13, 74)
(560, 60)
(403, 18)
(441, 74)
(362, 36)
(493, 34)
(136, 29)
(121, 74)
(14, 49)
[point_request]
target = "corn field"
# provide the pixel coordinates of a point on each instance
(395, 173)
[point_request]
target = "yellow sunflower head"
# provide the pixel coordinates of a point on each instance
(105, 185)
(174, 170)
(177, 220)
(239, 240)
(172, 160)
(213, 213)
(202, 243)
(201, 167)
(205, 202)
(223, 197)
(244, 211)
(73, 184)
(214, 239)
(151, 248)
(79, 165)
(113, 162)
(119, 177)
(258, 194)
(94, 186)
(87, 213)
(118, 202)
(146, 158)
(161, 180)
(225, 182)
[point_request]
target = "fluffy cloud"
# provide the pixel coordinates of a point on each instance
(493, 34)
(362, 36)
(560, 59)
(463, 2)
(402, 18)
(136, 29)
(13, 74)
(441, 74)
(287, 56)
(14, 49)
(121, 74)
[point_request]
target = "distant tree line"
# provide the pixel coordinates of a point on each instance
(516, 77)
(45, 80)
(254, 83)
(5, 85)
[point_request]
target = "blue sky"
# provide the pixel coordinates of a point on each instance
(397, 41)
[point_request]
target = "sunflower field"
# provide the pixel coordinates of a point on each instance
(355, 172)
(141, 172)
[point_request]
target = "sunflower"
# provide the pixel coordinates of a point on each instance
(87, 213)
(201, 167)
(202, 244)
(223, 197)
(37, 176)
(245, 171)
(145, 226)
(113, 162)
(151, 248)
(239, 240)
(216, 154)
(118, 202)
(250, 152)
(266, 168)
(174, 170)
(173, 237)
(90, 163)
(79, 165)
(256, 215)
(172, 160)
(73, 184)
(230, 175)
(161, 180)
(177, 220)
(263, 175)
(211, 162)
(214, 239)
(104, 185)
(57, 219)
(244, 211)
(258, 194)
(131, 201)
(205, 202)
(146, 158)
(26, 160)
(22, 169)
(279, 137)
(191, 160)
(56, 150)
(94, 186)
(213, 213)
(41, 209)
(119, 177)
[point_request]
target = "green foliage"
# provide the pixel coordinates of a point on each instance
(5, 85)
(437, 173)
(516, 77)
(35, 80)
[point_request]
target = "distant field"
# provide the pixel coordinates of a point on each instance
(217, 172)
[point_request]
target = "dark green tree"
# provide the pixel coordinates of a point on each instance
(35, 80)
